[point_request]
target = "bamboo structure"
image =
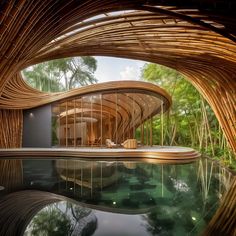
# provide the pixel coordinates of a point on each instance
(197, 38)
(10, 128)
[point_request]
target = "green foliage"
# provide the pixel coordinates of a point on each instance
(190, 121)
(51, 222)
(62, 219)
(62, 74)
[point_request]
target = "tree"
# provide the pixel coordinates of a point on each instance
(190, 121)
(62, 74)
(41, 78)
(185, 104)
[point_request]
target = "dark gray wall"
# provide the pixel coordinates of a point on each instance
(37, 127)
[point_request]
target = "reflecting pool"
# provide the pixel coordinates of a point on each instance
(79, 197)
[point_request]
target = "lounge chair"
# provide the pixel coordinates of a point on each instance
(130, 144)
(110, 144)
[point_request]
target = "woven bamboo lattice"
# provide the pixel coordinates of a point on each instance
(196, 38)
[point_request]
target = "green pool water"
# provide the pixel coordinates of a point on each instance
(121, 197)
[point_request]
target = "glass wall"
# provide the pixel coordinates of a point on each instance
(92, 119)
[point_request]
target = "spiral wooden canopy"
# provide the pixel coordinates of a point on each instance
(197, 38)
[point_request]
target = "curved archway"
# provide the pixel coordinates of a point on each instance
(197, 40)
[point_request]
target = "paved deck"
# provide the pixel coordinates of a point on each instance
(155, 152)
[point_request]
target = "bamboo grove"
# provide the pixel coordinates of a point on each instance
(190, 121)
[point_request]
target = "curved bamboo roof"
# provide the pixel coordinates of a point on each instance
(196, 38)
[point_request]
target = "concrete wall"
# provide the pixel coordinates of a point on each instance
(37, 127)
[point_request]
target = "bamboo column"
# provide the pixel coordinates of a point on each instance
(11, 125)
(162, 125)
(101, 127)
(142, 133)
(151, 139)
(74, 123)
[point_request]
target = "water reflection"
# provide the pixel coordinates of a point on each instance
(62, 218)
(10, 174)
(157, 199)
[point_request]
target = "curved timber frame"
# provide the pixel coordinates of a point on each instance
(197, 38)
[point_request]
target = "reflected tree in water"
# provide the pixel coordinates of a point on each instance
(85, 222)
(51, 222)
(63, 219)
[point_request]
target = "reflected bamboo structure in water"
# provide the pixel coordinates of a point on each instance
(225, 180)
(16, 210)
(224, 220)
(90, 175)
(11, 174)
(206, 171)
(204, 176)
(124, 187)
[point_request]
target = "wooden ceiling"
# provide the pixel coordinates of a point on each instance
(136, 105)
(197, 38)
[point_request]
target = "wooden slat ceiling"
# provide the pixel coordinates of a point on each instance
(196, 38)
